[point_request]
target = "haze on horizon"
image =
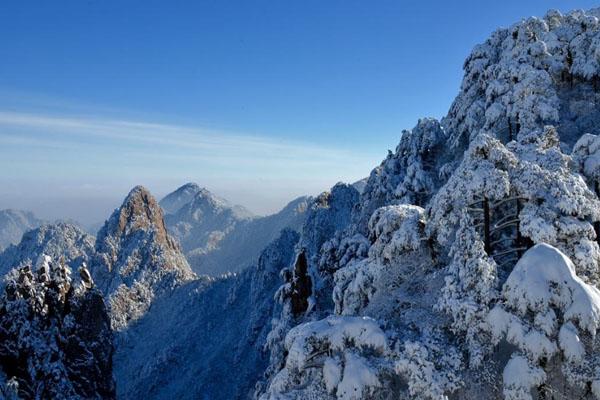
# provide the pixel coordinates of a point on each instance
(260, 102)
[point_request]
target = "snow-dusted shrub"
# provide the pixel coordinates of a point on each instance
(394, 231)
(429, 369)
(408, 175)
(560, 208)
(586, 153)
(469, 288)
(546, 309)
(335, 356)
(483, 172)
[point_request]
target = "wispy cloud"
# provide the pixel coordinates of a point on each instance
(44, 155)
(176, 140)
(140, 148)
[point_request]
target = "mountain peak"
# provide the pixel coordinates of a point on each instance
(140, 211)
(137, 257)
(173, 202)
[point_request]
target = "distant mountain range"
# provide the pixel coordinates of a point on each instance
(218, 237)
(466, 266)
(13, 224)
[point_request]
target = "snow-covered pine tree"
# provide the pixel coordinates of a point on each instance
(55, 338)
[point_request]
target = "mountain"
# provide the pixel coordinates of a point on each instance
(242, 245)
(470, 264)
(218, 237)
(13, 224)
(60, 241)
(196, 335)
(136, 259)
(466, 267)
(172, 202)
(202, 223)
(205, 340)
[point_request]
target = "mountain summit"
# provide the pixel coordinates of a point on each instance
(136, 257)
(172, 202)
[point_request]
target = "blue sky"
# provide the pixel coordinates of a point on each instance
(260, 101)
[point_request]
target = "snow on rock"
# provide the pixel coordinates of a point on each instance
(136, 259)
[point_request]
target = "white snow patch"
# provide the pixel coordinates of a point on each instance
(546, 277)
(520, 377)
(358, 378)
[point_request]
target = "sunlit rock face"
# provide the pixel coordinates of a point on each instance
(136, 259)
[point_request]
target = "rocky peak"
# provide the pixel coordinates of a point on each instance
(173, 202)
(140, 212)
(136, 259)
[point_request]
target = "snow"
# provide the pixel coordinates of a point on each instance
(334, 332)
(519, 378)
(332, 374)
(407, 297)
(358, 379)
(546, 277)
(533, 342)
(218, 237)
(570, 343)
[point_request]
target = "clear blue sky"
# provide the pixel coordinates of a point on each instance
(258, 100)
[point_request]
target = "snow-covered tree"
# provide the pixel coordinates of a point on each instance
(55, 338)
(551, 317)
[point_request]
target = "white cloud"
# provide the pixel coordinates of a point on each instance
(182, 138)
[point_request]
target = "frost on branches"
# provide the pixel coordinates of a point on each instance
(55, 337)
(433, 249)
(551, 317)
(335, 357)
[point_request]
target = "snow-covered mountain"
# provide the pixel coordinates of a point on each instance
(136, 259)
(218, 237)
(133, 259)
(13, 224)
(205, 340)
(61, 241)
(467, 265)
(470, 268)
(173, 202)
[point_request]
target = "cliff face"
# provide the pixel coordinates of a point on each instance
(136, 259)
(206, 339)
